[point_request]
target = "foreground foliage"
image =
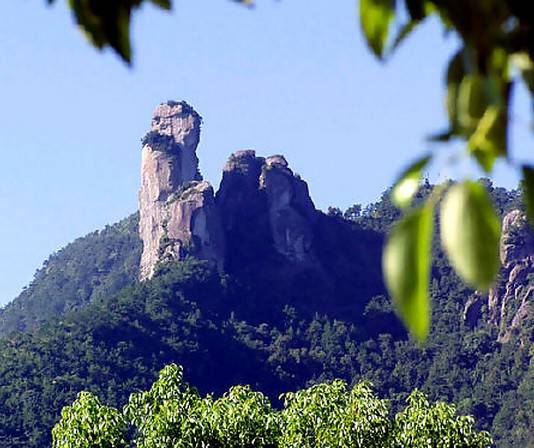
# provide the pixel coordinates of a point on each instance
(172, 414)
(495, 55)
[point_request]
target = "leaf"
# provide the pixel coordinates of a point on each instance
(488, 142)
(443, 136)
(164, 4)
(375, 18)
(528, 192)
(408, 183)
(470, 232)
(416, 9)
(472, 102)
(455, 74)
(106, 23)
(403, 33)
(406, 265)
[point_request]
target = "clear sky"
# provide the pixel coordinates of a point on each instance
(291, 77)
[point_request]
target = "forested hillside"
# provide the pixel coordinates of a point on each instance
(257, 326)
(95, 265)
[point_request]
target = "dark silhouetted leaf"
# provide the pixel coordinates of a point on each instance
(444, 136)
(404, 32)
(470, 232)
(455, 74)
(416, 8)
(164, 4)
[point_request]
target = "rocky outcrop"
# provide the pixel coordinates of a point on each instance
(291, 210)
(177, 213)
(262, 214)
(510, 301)
(262, 196)
(191, 225)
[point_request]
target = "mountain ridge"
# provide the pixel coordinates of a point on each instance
(296, 298)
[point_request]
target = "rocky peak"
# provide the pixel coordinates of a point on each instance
(517, 242)
(261, 204)
(284, 188)
(169, 149)
(192, 225)
(509, 302)
(265, 195)
(291, 210)
(241, 175)
(176, 209)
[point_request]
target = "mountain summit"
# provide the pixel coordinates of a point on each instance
(180, 214)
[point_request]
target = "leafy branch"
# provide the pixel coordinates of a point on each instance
(496, 53)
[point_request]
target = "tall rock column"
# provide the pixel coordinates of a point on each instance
(510, 301)
(177, 214)
(263, 202)
(291, 210)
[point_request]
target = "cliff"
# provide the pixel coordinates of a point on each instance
(260, 199)
(510, 301)
(177, 215)
(508, 304)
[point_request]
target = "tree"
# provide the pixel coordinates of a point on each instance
(172, 414)
(88, 423)
(496, 53)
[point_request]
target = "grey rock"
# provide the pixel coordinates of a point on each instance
(265, 193)
(291, 210)
(176, 209)
(510, 301)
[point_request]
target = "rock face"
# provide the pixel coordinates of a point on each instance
(176, 208)
(510, 302)
(291, 210)
(261, 197)
(261, 206)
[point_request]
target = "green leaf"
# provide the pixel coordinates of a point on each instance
(472, 102)
(408, 183)
(470, 233)
(528, 192)
(106, 23)
(375, 18)
(455, 74)
(164, 4)
(403, 33)
(488, 142)
(406, 265)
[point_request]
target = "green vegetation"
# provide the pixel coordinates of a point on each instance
(172, 414)
(97, 265)
(256, 325)
(495, 54)
(158, 141)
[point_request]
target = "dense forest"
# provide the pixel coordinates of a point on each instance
(90, 326)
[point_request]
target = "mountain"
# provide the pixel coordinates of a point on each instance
(252, 284)
(99, 264)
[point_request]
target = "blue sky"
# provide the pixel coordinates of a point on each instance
(291, 77)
